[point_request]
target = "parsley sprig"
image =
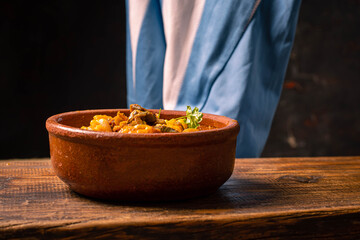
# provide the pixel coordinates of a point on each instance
(193, 117)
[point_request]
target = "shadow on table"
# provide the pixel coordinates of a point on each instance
(238, 193)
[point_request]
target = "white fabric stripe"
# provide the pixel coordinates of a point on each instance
(181, 20)
(137, 11)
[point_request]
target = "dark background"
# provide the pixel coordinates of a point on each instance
(59, 56)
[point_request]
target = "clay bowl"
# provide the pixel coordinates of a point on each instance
(141, 167)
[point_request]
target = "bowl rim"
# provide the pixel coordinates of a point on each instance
(55, 127)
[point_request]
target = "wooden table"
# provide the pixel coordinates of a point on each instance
(266, 198)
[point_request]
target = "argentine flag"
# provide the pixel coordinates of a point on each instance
(226, 57)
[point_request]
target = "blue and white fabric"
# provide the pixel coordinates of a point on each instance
(226, 57)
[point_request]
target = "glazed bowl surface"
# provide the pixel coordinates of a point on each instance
(141, 167)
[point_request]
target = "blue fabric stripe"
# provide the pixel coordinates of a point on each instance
(249, 87)
(150, 60)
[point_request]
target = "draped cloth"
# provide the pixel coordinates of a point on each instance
(226, 57)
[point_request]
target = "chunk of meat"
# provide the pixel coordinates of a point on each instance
(140, 115)
(137, 107)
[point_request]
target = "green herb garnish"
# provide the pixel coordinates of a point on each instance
(193, 117)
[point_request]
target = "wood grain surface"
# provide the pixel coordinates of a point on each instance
(266, 198)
